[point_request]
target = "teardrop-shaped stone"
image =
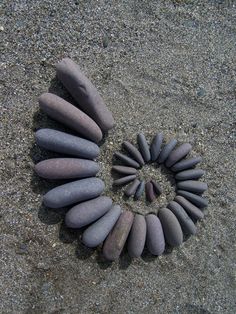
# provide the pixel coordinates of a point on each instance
(150, 195)
(131, 189)
(137, 236)
(192, 186)
(191, 209)
(124, 170)
(189, 174)
(134, 152)
(157, 188)
(155, 147)
(177, 154)
(139, 190)
(155, 236)
(127, 160)
(124, 180)
(186, 164)
(166, 150)
(144, 147)
(197, 200)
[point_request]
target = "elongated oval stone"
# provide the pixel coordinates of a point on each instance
(150, 195)
(73, 192)
(189, 174)
(155, 236)
(191, 209)
(124, 170)
(166, 150)
(61, 110)
(84, 93)
(84, 213)
(124, 180)
(134, 152)
(131, 189)
(177, 154)
(192, 186)
(139, 190)
(185, 221)
(127, 160)
(156, 186)
(197, 200)
(155, 147)
(186, 164)
(115, 241)
(144, 147)
(99, 230)
(66, 168)
(137, 236)
(171, 227)
(64, 143)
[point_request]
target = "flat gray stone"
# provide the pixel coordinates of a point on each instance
(193, 211)
(177, 154)
(134, 152)
(166, 150)
(186, 164)
(189, 174)
(155, 147)
(155, 236)
(137, 236)
(144, 147)
(127, 160)
(192, 186)
(124, 170)
(131, 189)
(197, 200)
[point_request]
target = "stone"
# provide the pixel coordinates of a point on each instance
(87, 212)
(124, 170)
(157, 188)
(61, 142)
(189, 174)
(193, 211)
(197, 200)
(115, 241)
(150, 195)
(139, 190)
(85, 93)
(137, 236)
(155, 237)
(73, 192)
(177, 154)
(127, 160)
(155, 147)
(134, 152)
(166, 150)
(144, 147)
(99, 230)
(124, 180)
(62, 111)
(186, 164)
(192, 186)
(131, 189)
(66, 168)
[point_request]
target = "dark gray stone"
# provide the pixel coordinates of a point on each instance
(134, 152)
(124, 170)
(191, 209)
(177, 154)
(144, 147)
(156, 186)
(124, 180)
(127, 160)
(155, 237)
(155, 147)
(197, 200)
(192, 186)
(131, 189)
(189, 174)
(139, 190)
(150, 195)
(166, 150)
(137, 236)
(186, 164)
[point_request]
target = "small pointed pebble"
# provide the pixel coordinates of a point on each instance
(189, 174)
(131, 189)
(197, 200)
(134, 152)
(155, 236)
(144, 147)
(166, 150)
(139, 191)
(127, 160)
(150, 195)
(115, 241)
(157, 188)
(73, 192)
(185, 221)
(99, 230)
(193, 211)
(155, 147)
(177, 154)
(137, 236)
(124, 170)
(192, 186)
(186, 164)
(124, 180)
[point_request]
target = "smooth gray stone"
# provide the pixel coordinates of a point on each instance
(124, 169)
(139, 190)
(64, 143)
(185, 221)
(191, 209)
(186, 164)
(150, 195)
(84, 93)
(192, 186)
(166, 150)
(197, 200)
(155, 237)
(124, 180)
(66, 168)
(134, 152)
(171, 227)
(99, 230)
(177, 154)
(137, 236)
(73, 192)
(131, 189)
(61, 110)
(144, 147)
(157, 188)
(155, 147)
(189, 174)
(127, 160)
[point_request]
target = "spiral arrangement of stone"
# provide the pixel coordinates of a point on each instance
(106, 222)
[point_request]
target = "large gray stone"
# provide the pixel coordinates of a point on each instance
(144, 147)
(155, 147)
(197, 200)
(177, 154)
(155, 237)
(189, 174)
(192, 186)
(186, 164)
(190, 208)
(166, 150)
(137, 236)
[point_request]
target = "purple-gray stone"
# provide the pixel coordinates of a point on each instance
(156, 186)
(139, 190)
(197, 200)
(134, 152)
(155, 147)
(186, 164)
(189, 174)
(137, 236)
(124, 180)
(150, 195)
(191, 209)
(124, 170)
(166, 150)
(144, 147)
(177, 154)
(127, 160)
(192, 186)
(155, 237)
(132, 188)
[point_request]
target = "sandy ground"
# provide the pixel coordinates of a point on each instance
(160, 65)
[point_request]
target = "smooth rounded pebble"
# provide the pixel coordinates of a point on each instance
(192, 186)
(84, 213)
(131, 189)
(185, 221)
(61, 110)
(68, 144)
(66, 168)
(99, 230)
(166, 150)
(144, 147)
(155, 147)
(177, 154)
(73, 192)
(197, 200)
(137, 236)
(139, 190)
(189, 174)
(155, 237)
(127, 160)
(134, 152)
(124, 180)
(84, 93)
(156, 186)
(193, 211)
(150, 195)
(186, 164)
(115, 241)
(124, 170)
